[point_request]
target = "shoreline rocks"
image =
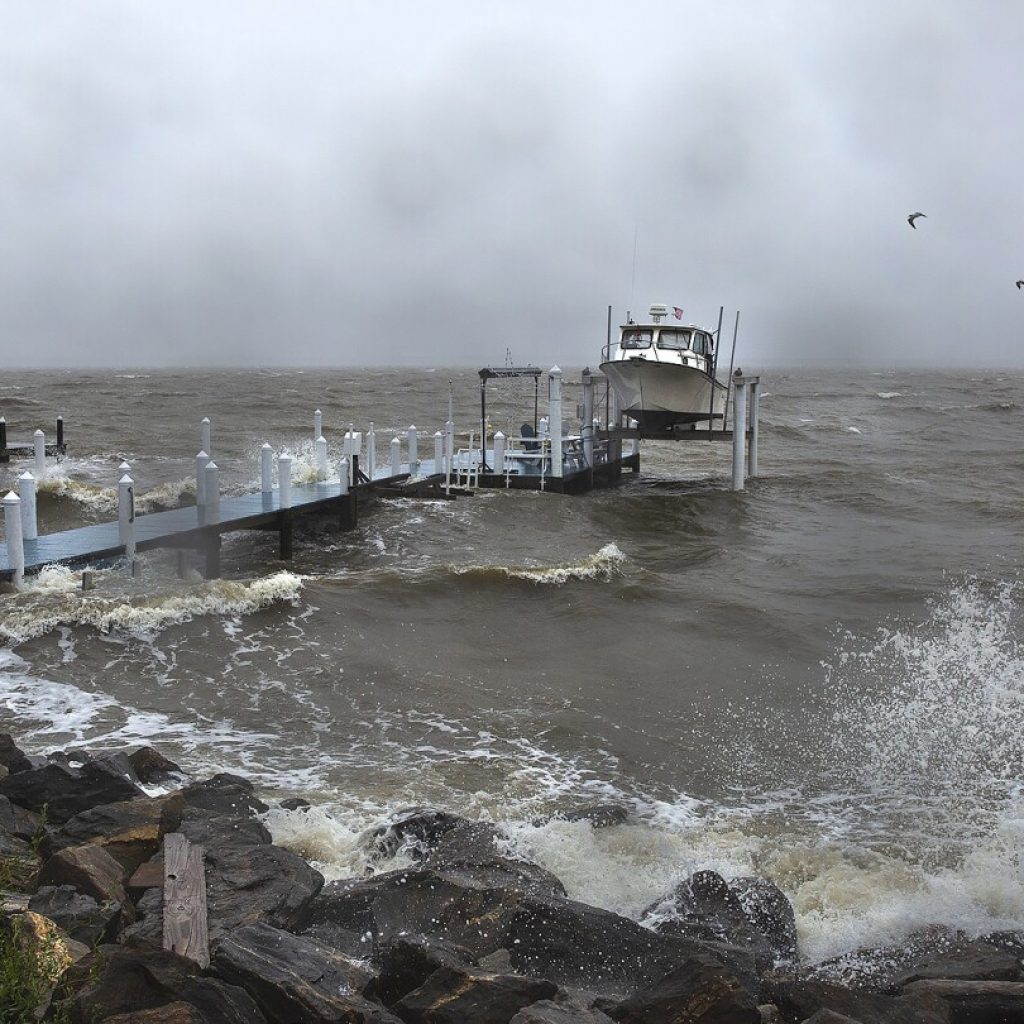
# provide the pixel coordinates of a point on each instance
(467, 934)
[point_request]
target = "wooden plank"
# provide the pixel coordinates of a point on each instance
(185, 926)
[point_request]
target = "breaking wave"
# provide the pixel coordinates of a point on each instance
(602, 565)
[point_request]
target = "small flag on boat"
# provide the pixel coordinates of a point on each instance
(677, 312)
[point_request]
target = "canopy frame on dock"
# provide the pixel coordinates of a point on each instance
(504, 372)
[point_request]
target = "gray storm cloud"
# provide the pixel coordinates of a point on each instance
(370, 184)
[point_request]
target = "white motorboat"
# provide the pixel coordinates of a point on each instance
(663, 374)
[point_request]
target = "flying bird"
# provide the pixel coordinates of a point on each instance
(912, 218)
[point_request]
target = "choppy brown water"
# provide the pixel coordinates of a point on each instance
(818, 679)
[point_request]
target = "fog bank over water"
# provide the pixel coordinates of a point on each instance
(244, 184)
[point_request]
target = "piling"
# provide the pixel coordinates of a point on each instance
(318, 424)
(211, 487)
(755, 408)
(126, 515)
(396, 456)
(284, 481)
(60, 433)
(438, 451)
(353, 448)
(587, 426)
(213, 544)
(27, 493)
(371, 452)
(414, 462)
(40, 442)
(739, 434)
(499, 452)
(15, 540)
(555, 420)
(321, 458)
(3, 437)
(204, 434)
(266, 468)
(343, 475)
(202, 460)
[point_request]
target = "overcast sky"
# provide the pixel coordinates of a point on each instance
(394, 182)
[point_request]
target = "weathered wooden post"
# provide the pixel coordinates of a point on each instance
(202, 460)
(499, 452)
(126, 515)
(204, 434)
(284, 481)
(318, 424)
(755, 408)
(27, 493)
(438, 452)
(413, 441)
(15, 540)
(555, 420)
(40, 442)
(60, 433)
(396, 456)
(371, 452)
(321, 458)
(266, 468)
(739, 432)
(211, 487)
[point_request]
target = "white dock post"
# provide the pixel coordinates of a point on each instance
(40, 442)
(204, 434)
(343, 474)
(555, 420)
(266, 468)
(755, 408)
(739, 433)
(212, 487)
(438, 452)
(321, 458)
(353, 449)
(413, 442)
(126, 515)
(587, 425)
(371, 452)
(499, 452)
(318, 424)
(27, 493)
(284, 481)
(396, 456)
(125, 467)
(15, 540)
(201, 462)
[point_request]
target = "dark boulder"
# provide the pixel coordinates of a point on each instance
(67, 790)
(152, 768)
(130, 831)
(295, 803)
(11, 757)
(169, 1013)
(974, 1002)
(768, 909)
(799, 999)
(453, 995)
(90, 870)
(547, 1011)
(225, 794)
(700, 991)
(79, 915)
(19, 821)
(415, 829)
(406, 961)
(294, 979)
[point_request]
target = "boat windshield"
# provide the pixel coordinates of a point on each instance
(637, 339)
(674, 339)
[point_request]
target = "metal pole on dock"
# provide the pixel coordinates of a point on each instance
(755, 408)
(60, 433)
(27, 493)
(211, 486)
(321, 458)
(3, 435)
(739, 433)
(202, 459)
(371, 452)
(499, 452)
(396, 456)
(318, 424)
(555, 420)
(587, 426)
(266, 468)
(438, 451)
(40, 442)
(126, 515)
(204, 434)
(284, 481)
(353, 448)
(15, 539)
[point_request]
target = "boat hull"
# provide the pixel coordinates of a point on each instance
(660, 395)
